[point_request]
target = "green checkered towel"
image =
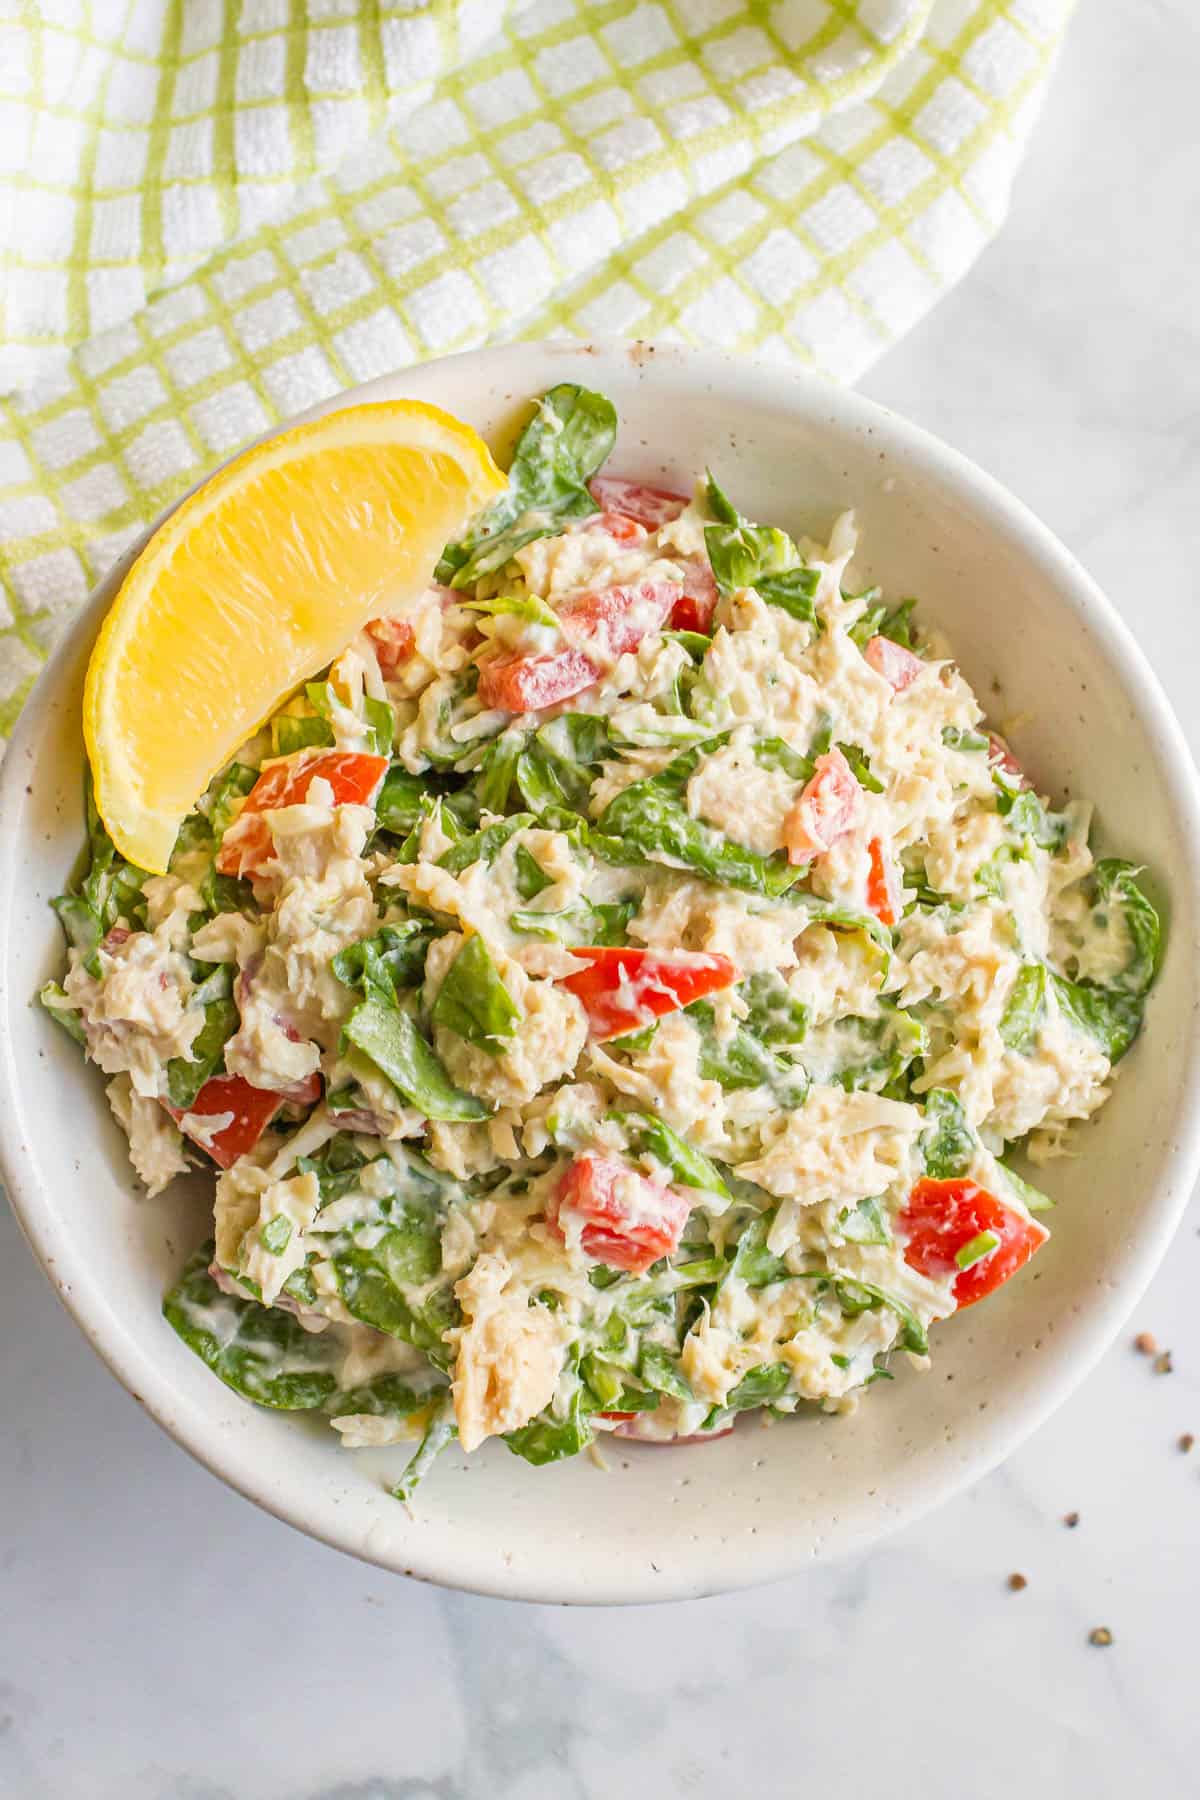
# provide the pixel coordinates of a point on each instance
(213, 214)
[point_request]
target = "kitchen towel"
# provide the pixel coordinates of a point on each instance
(215, 212)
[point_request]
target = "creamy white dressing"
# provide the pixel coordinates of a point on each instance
(885, 1017)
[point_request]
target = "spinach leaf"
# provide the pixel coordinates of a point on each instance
(520, 606)
(554, 789)
(529, 878)
(577, 738)
(393, 959)
(458, 706)
(497, 771)
(758, 556)
(555, 1432)
(774, 753)
(227, 893)
(753, 1262)
(1035, 1200)
(484, 846)
(336, 1166)
(387, 1396)
(1112, 1016)
(403, 799)
(63, 1015)
(877, 621)
(1116, 886)
(562, 447)
(739, 1060)
(474, 1002)
(958, 737)
(583, 923)
(387, 1258)
(661, 1371)
(440, 1430)
(774, 1016)
(608, 1386)
(1025, 1009)
(989, 876)
(111, 888)
(947, 1142)
(695, 643)
(186, 1075)
(856, 1297)
(259, 1351)
(225, 792)
(652, 816)
(793, 591)
(390, 1038)
(438, 809)
(865, 1224)
(650, 1136)
(843, 918)
(870, 1053)
(631, 1043)
(290, 733)
(759, 1388)
(1025, 815)
(860, 768)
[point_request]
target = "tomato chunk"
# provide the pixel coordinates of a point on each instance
(694, 609)
(353, 775)
(618, 525)
(623, 1219)
(942, 1219)
(394, 641)
(598, 626)
(650, 506)
(624, 989)
(521, 684)
(616, 619)
(898, 666)
(252, 1108)
(883, 887)
(829, 806)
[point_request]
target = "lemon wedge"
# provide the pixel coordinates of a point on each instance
(256, 582)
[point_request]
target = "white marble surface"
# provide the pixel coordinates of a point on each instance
(161, 1640)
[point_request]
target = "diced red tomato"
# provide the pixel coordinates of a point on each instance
(898, 666)
(618, 525)
(650, 506)
(694, 609)
(394, 641)
(627, 1220)
(616, 619)
(252, 1108)
(941, 1218)
(883, 887)
(599, 626)
(829, 806)
(619, 1416)
(521, 684)
(1001, 757)
(353, 775)
(625, 989)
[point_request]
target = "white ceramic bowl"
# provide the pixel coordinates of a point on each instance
(1034, 636)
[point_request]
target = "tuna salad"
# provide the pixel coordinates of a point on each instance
(609, 995)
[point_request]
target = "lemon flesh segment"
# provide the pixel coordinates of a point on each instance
(252, 586)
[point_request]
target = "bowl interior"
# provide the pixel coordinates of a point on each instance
(1036, 641)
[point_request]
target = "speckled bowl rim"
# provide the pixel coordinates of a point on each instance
(135, 1365)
